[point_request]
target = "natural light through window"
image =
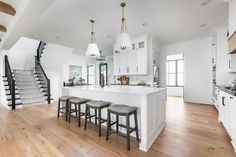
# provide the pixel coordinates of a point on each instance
(175, 70)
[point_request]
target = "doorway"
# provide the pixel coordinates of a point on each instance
(103, 74)
(175, 75)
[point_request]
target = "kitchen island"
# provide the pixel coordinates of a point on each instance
(150, 101)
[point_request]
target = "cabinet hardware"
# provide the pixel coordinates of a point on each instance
(136, 69)
(223, 101)
(119, 70)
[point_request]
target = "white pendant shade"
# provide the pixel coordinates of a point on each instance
(92, 50)
(123, 42)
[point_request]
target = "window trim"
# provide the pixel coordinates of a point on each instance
(176, 73)
(88, 66)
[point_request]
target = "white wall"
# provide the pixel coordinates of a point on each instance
(175, 91)
(232, 17)
(56, 60)
(21, 55)
(197, 68)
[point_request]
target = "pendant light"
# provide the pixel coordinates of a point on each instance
(123, 42)
(92, 50)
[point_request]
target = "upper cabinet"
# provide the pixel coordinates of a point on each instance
(232, 26)
(232, 43)
(133, 62)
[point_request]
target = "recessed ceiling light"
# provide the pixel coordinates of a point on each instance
(34, 36)
(58, 37)
(203, 25)
(206, 2)
(144, 24)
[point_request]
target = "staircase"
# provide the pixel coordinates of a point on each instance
(27, 86)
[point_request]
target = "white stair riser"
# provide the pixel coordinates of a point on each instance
(16, 101)
(16, 96)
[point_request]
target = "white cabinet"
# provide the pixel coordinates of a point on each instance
(131, 63)
(117, 64)
(139, 44)
(233, 120)
(227, 113)
(232, 62)
(224, 110)
(141, 66)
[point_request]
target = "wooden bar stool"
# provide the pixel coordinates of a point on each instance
(61, 100)
(127, 111)
(97, 106)
(77, 102)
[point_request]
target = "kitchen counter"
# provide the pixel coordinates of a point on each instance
(123, 89)
(150, 101)
(222, 87)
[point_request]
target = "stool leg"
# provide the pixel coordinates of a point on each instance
(95, 111)
(86, 115)
(127, 130)
(79, 112)
(117, 123)
(136, 125)
(108, 124)
(69, 112)
(58, 109)
(99, 122)
(76, 110)
(89, 115)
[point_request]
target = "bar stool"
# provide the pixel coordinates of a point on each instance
(77, 102)
(62, 99)
(127, 111)
(97, 106)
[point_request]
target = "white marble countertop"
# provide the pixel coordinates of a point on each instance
(133, 90)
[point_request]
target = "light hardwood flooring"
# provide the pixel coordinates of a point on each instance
(191, 131)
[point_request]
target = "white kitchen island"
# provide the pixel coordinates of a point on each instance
(150, 101)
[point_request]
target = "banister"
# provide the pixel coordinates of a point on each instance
(39, 69)
(11, 82)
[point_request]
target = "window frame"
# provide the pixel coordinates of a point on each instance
(89, 75)
(176, 73)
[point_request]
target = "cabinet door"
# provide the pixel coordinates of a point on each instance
(117, 64)
(125, 64)
(141, 44)
(141, 66)
(227, 116)
(233, 62)
(233, 119)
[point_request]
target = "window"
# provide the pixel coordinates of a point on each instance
(175, 70)
(90, 74)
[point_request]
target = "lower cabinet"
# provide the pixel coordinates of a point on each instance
(227, 114)
(233, 121)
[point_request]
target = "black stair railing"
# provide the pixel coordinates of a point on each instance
(45, 82)
(11, 82)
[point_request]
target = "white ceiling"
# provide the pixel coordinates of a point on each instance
(67, 22)
(5, 19)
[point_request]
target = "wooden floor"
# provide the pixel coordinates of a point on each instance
(191, 131)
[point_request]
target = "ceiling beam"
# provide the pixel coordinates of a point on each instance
(2, 28)
(7, 8)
